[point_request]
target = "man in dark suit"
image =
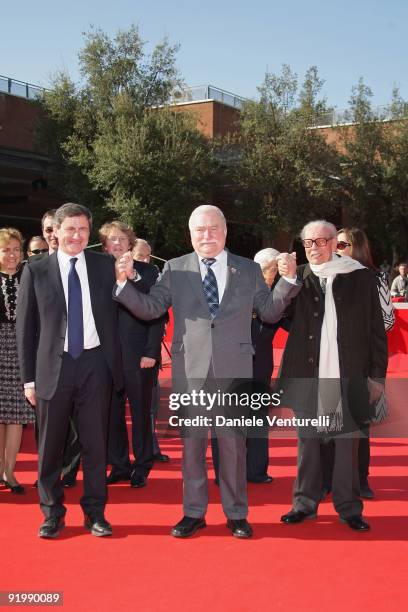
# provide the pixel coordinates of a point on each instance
(213, 294)
(333, 368)
(140, 343)
(69, 353)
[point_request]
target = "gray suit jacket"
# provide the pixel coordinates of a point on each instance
(198, 340)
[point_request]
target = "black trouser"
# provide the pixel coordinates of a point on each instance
(71, 459)
(308, 484)
(83, 393)
(138, 390)
(327, 452)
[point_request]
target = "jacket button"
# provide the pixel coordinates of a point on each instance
(311, 337)
(310, 360)
(212, 325)
(316, 299)
(315, 314)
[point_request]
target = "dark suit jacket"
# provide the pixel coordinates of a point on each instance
(140, 338)
(42, 320)
(362, 342)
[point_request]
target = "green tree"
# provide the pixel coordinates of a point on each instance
(375, 171)
(119, 147)
(285, 168)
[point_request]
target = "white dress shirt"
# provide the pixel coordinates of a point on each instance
(91, 338)
(219, 267)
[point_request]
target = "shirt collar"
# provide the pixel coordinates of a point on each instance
(220, 258)
(65, 259)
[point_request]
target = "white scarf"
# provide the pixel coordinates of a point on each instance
(329, 396)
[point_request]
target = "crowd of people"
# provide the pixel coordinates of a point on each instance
(81, 334)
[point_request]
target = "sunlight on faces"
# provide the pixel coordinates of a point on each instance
(10, 256)
(269, 271)
(347, 251)
(142, 252)
(208, 233)
(50, 233)
(321, 254)
(37, 245)
(73, 234)
(117, 243)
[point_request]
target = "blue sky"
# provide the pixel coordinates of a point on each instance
(225, 43)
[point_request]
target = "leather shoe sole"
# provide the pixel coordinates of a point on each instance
(238, 532)
(356, 522)
(199, 524)
(297, 516)
(48, 532)
(97, 529)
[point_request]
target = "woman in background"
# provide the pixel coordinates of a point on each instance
(15, 411)
(353, 242)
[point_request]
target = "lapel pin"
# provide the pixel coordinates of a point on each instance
(233, 270)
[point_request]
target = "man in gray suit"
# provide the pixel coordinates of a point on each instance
(213, 294)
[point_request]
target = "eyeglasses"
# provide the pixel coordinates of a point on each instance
(121, 239)
(319, 242)
(342, 245)
(38, 251)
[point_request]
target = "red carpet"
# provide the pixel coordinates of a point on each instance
(314, 566)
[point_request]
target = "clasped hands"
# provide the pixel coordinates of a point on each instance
(124, 267)
(287, 264)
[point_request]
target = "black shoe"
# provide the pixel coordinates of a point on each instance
(187, 527)
(69, 482)
(240, 528)
(18, 489)
(137, 481)
(98, 526)
(356, 522)
(366, 492)
(51, 527)
(159, 457)
(325, 492)
(263, 480)
(297, 516)
(117, 477)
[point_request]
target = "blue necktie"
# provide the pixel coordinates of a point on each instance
(75, 313)
(210, 287)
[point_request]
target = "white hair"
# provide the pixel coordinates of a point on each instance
(323, 222)
(204, 208)
(266, 256)
(142, 242)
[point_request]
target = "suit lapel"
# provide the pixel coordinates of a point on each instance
(192, 267)
(56, 281)
(94, 282)
(233, 273)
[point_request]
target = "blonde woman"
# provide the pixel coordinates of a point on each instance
(15, 411)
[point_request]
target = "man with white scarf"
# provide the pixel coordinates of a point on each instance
(334, 366)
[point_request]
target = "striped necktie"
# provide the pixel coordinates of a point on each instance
(210, 287)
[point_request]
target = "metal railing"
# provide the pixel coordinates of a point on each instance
(200, 93)
(344, 116)
(20, 89)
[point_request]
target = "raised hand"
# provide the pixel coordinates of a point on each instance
(287, 264)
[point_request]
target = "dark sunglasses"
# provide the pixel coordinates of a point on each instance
(38, 251)
(342, 245)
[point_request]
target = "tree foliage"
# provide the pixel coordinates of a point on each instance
(375, 171)
(120, 148)
(285, 168)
